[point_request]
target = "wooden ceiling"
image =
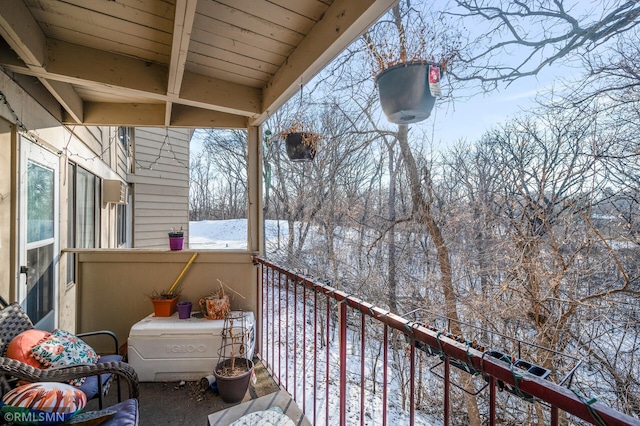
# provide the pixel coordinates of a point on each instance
(186, 63)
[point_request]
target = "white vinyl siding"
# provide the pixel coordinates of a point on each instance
(160, 185)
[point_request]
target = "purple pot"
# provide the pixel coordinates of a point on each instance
(184, 310)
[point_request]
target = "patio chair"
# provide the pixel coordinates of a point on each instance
(14, 320)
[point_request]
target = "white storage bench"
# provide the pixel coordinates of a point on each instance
(164, 349)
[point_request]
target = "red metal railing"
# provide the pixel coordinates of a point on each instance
(306, 322)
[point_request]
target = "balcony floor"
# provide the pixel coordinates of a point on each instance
(170, 404)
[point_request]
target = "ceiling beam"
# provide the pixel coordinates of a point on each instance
(202, 91)
(341, 24)
(121, 114)
(97, 68)
(129, 77)
(24, 36)
(67, 97)
(22, 32)
(186, 116)
(182, 28)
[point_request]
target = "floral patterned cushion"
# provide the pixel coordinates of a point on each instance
(62, 348)
(42, 403)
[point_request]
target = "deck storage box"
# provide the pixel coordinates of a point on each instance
(164, 349)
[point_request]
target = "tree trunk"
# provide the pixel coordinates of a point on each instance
(391, 253)
(422, 213)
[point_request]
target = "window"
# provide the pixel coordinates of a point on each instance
(121, 219)
(124, 135)
(84, 213)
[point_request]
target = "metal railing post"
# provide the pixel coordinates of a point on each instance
(342, 312)
(447, 390)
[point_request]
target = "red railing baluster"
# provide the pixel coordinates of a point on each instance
(315, 358)
(326, 396)
(286, 335)
(554, 416)
(295, 341)
(342, 323)
(412, 383)
(447, 389)
(304, 349)
(279, 329)
(272, 287)
(385, 364)
(492, 401)
(362, 372)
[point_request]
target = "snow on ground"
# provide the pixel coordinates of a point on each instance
(230, 234)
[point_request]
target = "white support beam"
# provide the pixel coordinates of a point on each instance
(24, 36)
(186, 116)
(68, 98)
(119, 114)
(129, 77)
(22, 32)
(202, 91)
(342, 23)
(254, 177)
(182, 27)
(98, 69)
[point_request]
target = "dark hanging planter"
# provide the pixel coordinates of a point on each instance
(404, 92)
(302, 146)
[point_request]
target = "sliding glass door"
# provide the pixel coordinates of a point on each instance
(38, 237)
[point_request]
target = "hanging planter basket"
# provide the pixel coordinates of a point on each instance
(302, 146)
(404, 91)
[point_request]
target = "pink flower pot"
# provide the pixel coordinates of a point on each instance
(176, 243)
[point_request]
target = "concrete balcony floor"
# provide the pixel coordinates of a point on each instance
(168, 403)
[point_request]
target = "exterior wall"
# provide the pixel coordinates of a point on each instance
(6, 208)
(93, 148)
(113, 283)
(160, 185)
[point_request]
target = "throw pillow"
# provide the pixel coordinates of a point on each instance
(62, 348)
(20, 347)
(42, 403)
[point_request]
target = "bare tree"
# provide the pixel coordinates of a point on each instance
(541, 32)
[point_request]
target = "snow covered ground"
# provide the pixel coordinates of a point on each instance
(229, 234)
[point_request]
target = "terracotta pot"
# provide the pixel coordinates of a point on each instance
(165, 307)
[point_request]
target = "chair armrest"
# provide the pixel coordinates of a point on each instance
(31, 374)
(101, 333)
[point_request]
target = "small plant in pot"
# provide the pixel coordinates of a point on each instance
(165, 303)
(301, 142)
(234, 371)
(176, 239)
(406, 72)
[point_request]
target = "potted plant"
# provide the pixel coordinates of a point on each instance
(406, 72)
(405, 93)
(216, 305)
(165, 302)
(301, 142)
(234, 371)
(176, 239)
